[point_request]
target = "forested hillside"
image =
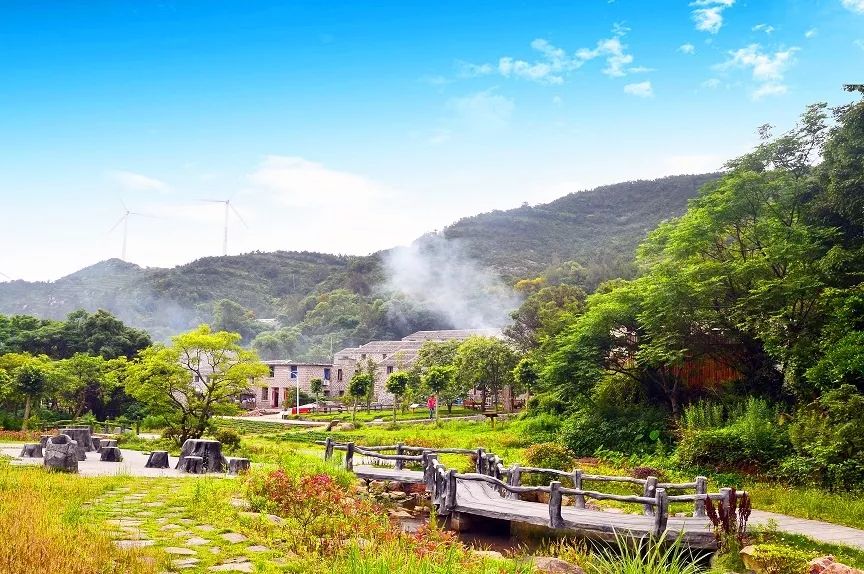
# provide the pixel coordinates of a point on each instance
(322, 299)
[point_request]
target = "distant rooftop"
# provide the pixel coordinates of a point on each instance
(451, 334)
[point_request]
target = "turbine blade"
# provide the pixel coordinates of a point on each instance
(123, 203)
(119, 221)
(240, 217)
(214, 200)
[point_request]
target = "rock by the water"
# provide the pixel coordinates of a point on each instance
(494, 554)
(61, 453)
(345, 427)
(111, 454)
(238, 465)
(549, 565)
(191, 465)
(829, 565)
(210, 451)
(31, 451)
(157, 459)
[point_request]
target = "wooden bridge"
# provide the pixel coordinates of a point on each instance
(494, 491)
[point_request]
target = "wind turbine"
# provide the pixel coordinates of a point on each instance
(124, 219)
(228, 209)
(6, 276)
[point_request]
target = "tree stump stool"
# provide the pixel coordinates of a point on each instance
(31, 451)
(238, 465)
(157, 459)
(111, 454)
(82, 437)
(210, 451)
(106, 443)
(192, 465)
(96, 444)
(61, 454)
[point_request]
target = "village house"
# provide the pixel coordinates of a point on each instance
(391, 356)
(280, 385)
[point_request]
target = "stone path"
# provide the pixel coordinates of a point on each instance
(138, 517)
(815, 529)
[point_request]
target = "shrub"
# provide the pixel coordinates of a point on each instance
(546, 403)
(550, 455)
(229, 438)
(625, 430)
(750, 439)
(778, 559)
(829, 433)
(537, 429)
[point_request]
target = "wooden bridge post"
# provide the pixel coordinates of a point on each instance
(450, 502)
(349, 457)
(429, 473)
(579, 499)
(400, 464)
(661, 512)
(701, 488)
(515, 480)
(328, 448)
(727, 497)
(648, 492)
(480, 456)
(555, 499)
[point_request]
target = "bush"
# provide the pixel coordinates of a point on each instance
(830, 435)
(751, 439)
(10, 422)
(547, 455)
(778, 559)
(229, 438)
(545, 403)
(626, 430)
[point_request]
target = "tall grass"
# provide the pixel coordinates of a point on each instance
(46, 530)
(647, 556)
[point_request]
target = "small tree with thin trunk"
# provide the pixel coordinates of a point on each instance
(397, 384)
(359, 388)
(30, 381)
(316, 385)
(438, 379)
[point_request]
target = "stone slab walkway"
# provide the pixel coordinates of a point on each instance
(815, 529)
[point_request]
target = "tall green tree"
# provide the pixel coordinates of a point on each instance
(359, 388)
(316, 386)
(438, 379)
(485, 363)
(31, 381)
(201, 374)
(397, 384)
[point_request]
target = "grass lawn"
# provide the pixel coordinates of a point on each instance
(363, 415)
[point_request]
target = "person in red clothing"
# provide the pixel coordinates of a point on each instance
(431, 403)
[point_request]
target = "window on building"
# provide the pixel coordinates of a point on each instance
(341, 393)
(339, 375)
(326, 373)
(293, 371)
(272, 371)
(326, 393)
(389, 369)
(264, 393)
(197, 378)
(363, 356)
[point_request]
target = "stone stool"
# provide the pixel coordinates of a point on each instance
(105, 443)
(111, 454)
(157, 459)
(96, 443)
(61, 454)
(210, 451)
(238, 465)
(31, 451)
(192, 465)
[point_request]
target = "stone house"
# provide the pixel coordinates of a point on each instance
(283, 379)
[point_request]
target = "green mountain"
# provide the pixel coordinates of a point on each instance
(598, 228)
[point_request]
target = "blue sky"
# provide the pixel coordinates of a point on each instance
(353, 126)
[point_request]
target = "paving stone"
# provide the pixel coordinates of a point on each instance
(206, 527)
(257, 548)
(179, 551)
(170, 527)
(184, 563)
(154, 504)
(182, 534)
(234, 537)
(197, 541)
(232, 567)
(185, 521)
(126, 544)
(124, 522)
(143, 513)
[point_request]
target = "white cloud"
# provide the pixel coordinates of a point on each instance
(708, 14)
(296, 181)
(767, 28)
(859, 43)
(856, 6)
(641, 89)
(557, 100)
(439, 136)
(811, 33)
(711, 83)
(131, 181)
(553, 64)
(687, 49)
(484, 109)
(767, 69)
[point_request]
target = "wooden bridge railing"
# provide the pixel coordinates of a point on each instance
(441, 482)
